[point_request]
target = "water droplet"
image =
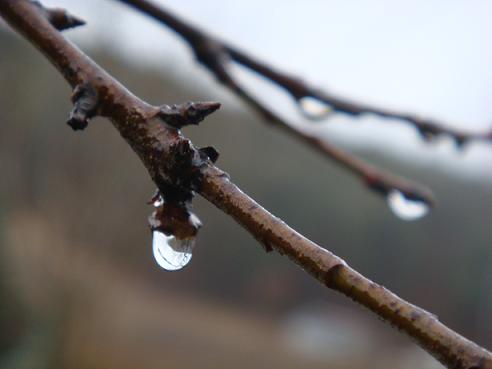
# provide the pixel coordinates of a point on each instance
(405, 208)
(158, 201)
(313, 108)
(170, 252)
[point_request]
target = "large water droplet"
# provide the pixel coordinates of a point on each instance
(313, 108)
(405, 208)
(170, 252)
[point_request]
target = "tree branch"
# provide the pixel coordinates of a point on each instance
(178, 169)
(216, 55)
(298, 89)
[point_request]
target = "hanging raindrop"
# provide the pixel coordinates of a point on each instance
(171, 253)
(313, 108)
(405, 208)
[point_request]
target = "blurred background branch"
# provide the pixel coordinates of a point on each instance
(216, 56)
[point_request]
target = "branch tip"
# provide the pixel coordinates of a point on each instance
(189, 113)
(60, 18)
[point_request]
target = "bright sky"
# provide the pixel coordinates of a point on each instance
(426, 56)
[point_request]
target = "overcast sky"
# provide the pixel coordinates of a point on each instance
(425, 56)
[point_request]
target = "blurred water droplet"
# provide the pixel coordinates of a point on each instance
(313, 108)
(170, 252)
(158, 201)
(404, 208)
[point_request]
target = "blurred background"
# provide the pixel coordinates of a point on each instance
(78, 284)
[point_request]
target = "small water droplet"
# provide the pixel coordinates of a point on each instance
(170, 252)
(158, 201)
(313, 108)
(405, 208)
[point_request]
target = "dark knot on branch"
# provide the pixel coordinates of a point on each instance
(85, 100)
(189, 113)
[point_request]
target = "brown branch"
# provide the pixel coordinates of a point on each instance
(215, 56)
(178, 169)
(451, 349)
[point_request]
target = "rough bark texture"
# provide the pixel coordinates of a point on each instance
(179, 169)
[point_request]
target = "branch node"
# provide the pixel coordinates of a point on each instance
(189, 113)
(60, 18)
(85, 100)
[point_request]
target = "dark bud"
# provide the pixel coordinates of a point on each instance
(85, 102)
(181, 115)
(210, 153)
(60, 18)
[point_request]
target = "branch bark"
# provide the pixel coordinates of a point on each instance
(178, 169)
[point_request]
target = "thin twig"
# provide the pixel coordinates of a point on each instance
(176, 165)
(216, 55)
(219, 52)
(298, 89)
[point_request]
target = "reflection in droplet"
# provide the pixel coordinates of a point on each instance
(170, 252)
(313, 108)
(404, 208)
